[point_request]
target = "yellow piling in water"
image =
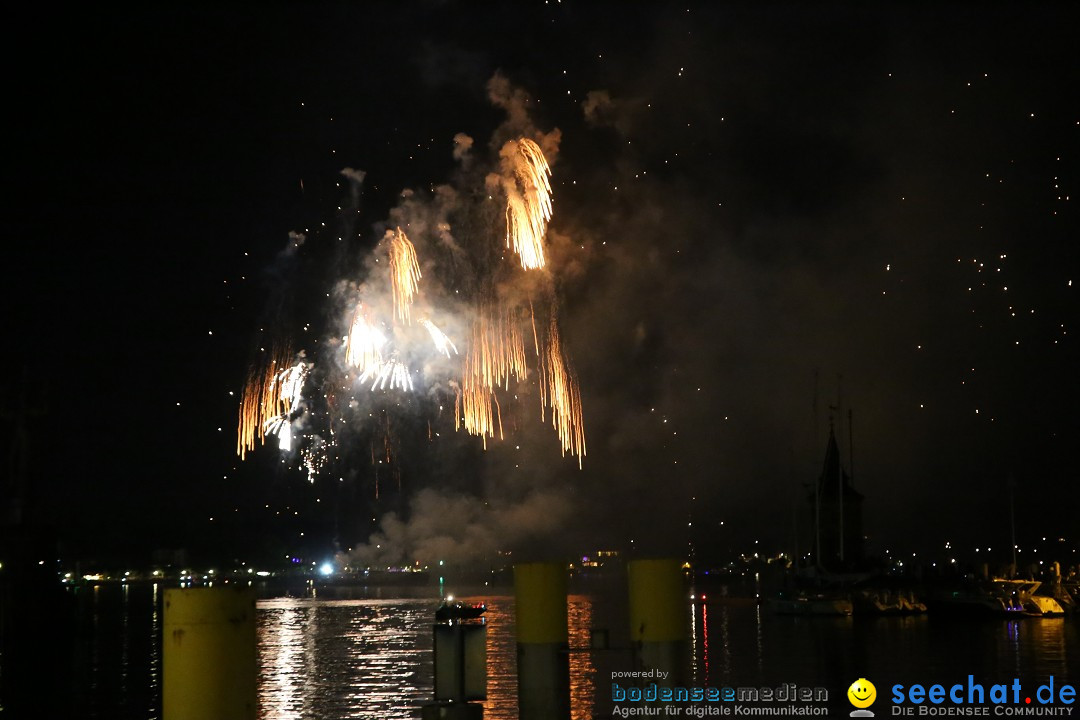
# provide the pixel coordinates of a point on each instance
(540, 609)
(659, 605)
(209, 654)
(542, 627)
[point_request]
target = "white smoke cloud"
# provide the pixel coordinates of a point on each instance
(461, 528)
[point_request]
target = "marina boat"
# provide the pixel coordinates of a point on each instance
(1024, 591)
(999, 597)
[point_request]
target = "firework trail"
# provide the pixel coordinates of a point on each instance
(559, 391)
(496, 351)
(477, 409)
(404, 273)
(528, 201)
(250, 425)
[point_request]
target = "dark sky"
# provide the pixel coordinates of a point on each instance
(759, 209)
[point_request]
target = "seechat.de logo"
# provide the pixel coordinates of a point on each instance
(862, 694)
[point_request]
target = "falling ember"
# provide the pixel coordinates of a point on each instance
(443, 344)
(559, 391)
(404, 273)
(363, 344)
(496, 351)
(528, 203)
(250, 420)
(480, 410)
(532, 321)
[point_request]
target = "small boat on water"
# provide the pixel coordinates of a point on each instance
(452, 612)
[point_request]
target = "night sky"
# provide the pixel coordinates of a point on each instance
(766, 218)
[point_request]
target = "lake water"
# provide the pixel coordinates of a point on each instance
(368, 653)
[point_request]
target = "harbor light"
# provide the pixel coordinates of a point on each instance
(326, 569)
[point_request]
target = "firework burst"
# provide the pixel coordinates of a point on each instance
(475, 296)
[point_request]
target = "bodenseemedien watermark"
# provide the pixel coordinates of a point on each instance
(653, 700)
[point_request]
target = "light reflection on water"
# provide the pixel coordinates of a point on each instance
(343, 658)
(372, 657)
(501, 703)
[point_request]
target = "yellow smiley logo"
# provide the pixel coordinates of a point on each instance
(862, 693)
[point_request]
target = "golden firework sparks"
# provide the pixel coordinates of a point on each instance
(404, 273)
(478, 408)
(250, 425)
(528, 204)
(559, 391)
(268, 394)
(496, 350)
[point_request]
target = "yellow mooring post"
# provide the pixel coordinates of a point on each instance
(209, 654)
(542, 641)
(659, 604)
